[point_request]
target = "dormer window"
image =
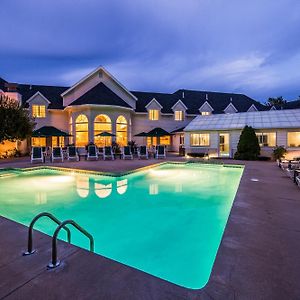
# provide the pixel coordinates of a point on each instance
(179, 115)
(206, 113)
(39, 111)
(153, 114)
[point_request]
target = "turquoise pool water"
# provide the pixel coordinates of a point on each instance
(167, 221)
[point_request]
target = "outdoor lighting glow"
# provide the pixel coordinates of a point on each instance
(122, 186)
(103, 190)
(153, 189)
(82, 184)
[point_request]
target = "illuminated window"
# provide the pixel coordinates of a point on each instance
(82, 131)
(121, 131)
(58, 141)
(178, 115)
(153, 114)
(266, 139)
(71, 139)
(205, 113)
(39, 111)
(151, 141)
(165, 140)
(102, 123)
(200, 139)
(103, 190)
(294, 139)
(38, 142)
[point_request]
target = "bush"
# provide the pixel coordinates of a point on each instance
(248, 146)
(279, 152)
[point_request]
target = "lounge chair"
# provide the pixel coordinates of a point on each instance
(108, 153)
(57, 154)
(92, 153)
(127, 154)
(143, 152)
(37, 155)
(298, 180)
(72, 153)
(160, 152)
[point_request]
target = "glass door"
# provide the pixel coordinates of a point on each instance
(224, 144)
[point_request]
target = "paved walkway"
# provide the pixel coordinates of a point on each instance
(258, 257)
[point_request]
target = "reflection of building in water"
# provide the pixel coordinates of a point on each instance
(178, 187)
(40, 198)
(82, 184)
(122, 186)
(153, 189)
(103, 190)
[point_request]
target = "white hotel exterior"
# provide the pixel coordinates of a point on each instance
(206, 122)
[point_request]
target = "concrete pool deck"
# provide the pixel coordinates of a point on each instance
(258, 257)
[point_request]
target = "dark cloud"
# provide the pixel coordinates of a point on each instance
(251, 47)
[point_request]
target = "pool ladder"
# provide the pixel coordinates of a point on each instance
(61, 225)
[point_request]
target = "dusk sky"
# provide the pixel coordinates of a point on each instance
(250, 47)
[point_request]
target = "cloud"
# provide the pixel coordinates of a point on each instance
(244, 46)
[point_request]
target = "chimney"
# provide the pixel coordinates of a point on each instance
(12, 92)
(230, 99)
(11, 87)
(182, 94)
(206, 97)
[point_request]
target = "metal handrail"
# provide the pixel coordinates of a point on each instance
(30, 249)
(55, 262)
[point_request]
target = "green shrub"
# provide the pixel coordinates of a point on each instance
(279, 152)
(248, 146)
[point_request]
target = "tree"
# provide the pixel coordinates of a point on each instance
(278, 101)
(248, 146)
(15, 122)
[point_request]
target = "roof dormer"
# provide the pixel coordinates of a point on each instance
(206, 108)
(252, 108)
(230, 108)
(153, 104)
(38, 98)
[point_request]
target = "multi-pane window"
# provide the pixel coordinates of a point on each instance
(165, 140)
(58, 141)
(178, 115)
(82, 131)
(39, 111)
(205, 113)
(121, 130)
(266, 139)
(38, 142)
(153, 114)
(293, 139)
(102, 123)
(200, 139)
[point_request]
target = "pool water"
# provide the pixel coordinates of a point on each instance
(167, 221)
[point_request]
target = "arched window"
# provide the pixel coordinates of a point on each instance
(71, 138)
(102, 123)
(121, 131)
(82, 130)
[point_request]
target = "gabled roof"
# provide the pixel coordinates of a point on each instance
(155, 101)
(99, 69)
(52, 93)
(38, 93)
(230, 106)
(100, 95)
(218, 101)
(252, 108)
(181, 103)
(206, 103)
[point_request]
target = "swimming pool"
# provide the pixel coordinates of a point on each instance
(167, 221)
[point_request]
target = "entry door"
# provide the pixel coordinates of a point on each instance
(224, 144)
